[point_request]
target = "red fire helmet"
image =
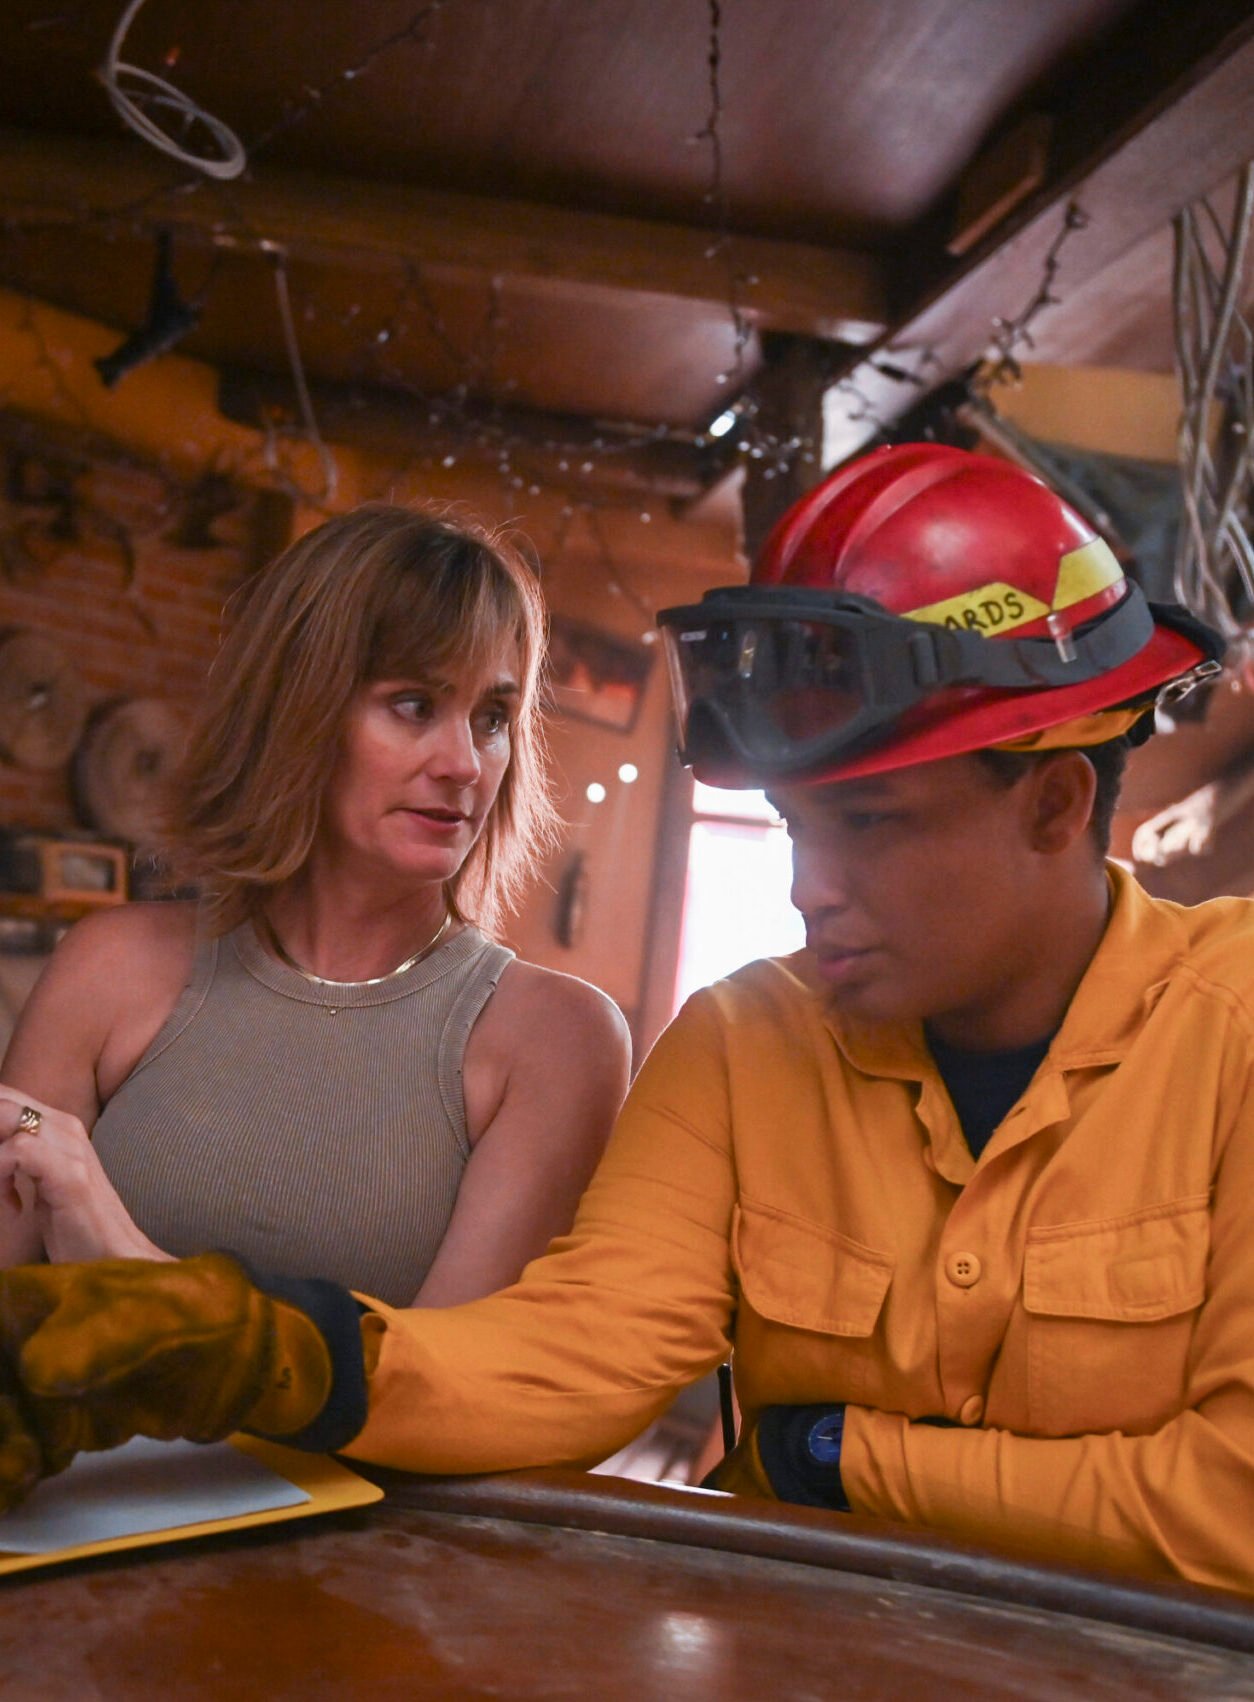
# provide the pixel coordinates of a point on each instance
(921, 602)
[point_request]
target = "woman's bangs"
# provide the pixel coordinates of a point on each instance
(456, 619)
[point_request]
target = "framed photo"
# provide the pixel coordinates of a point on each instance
(595, 675)
(63, 870)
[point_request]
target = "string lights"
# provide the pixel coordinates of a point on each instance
(471, 416)
(474, 426)
(715, 197)
(1012, 335)
(999, 366)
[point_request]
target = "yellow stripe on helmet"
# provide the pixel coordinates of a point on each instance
(1084, 572)
(995, 607)
(999, 607)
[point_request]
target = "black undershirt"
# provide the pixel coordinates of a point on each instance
(984, 1085)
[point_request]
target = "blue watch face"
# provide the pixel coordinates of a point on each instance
(824, 1438)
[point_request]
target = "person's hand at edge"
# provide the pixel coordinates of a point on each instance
(91, 1355)
(47, 1160)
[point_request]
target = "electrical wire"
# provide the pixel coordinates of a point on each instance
(1215, 365)
(150, 93)
(330, 473)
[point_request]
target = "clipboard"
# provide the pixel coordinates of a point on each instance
(326, 1486)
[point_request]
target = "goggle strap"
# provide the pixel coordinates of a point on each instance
(920, 657)
(1025, 664)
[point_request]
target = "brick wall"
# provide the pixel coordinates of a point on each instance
(143, 628)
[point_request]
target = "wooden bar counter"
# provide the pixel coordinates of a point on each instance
(552, 1585)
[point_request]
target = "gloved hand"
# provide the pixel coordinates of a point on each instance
(789, 1453)
(20, 1460)
(91, 1355)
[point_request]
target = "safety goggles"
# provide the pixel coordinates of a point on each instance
(780, 680)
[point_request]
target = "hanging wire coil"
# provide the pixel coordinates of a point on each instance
(139, 97)
(1215, 363)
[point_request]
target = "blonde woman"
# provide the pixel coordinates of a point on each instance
(327, 1065)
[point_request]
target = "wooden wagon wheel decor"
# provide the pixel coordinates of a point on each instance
(121, 766)
(43, 703)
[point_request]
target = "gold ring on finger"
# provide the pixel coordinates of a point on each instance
(28, 1120)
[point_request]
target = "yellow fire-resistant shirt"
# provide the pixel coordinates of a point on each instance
(1080, 1301)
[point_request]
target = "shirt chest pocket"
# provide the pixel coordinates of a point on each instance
(807, 1278)
(1111, 1309)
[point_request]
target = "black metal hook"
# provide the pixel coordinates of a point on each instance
(169, 320)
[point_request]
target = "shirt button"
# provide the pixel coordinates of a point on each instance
(963, 1269)
(972, 1410)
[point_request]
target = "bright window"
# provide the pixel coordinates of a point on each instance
(736, 904)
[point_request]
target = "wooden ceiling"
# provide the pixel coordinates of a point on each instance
(589, 224)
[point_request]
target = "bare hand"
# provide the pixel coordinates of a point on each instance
(47, 1159)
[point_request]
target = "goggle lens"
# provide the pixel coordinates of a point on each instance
(798, 679)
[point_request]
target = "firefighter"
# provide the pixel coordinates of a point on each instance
(966, 1186)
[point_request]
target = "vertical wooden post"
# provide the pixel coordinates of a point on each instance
(788, 399)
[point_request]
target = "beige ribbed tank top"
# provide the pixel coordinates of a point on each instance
(315, 1128)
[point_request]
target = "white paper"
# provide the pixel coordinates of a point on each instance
(141, 1487)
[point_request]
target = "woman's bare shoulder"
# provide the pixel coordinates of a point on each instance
(540, 1021)
(108, 987)
(536, 1001)
(546, 1040)
(149, 938)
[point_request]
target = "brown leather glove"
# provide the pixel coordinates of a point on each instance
(21, 1464)
(91, 1355)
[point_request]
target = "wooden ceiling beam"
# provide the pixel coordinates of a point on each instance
(166, 415)
(561, 450)
(834, 294)
(1144, 150)
(788, 401)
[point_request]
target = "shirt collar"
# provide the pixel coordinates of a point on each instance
(1144, 941)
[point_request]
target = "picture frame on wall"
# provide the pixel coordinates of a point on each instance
(595, 675)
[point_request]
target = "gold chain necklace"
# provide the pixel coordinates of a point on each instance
(284, 956)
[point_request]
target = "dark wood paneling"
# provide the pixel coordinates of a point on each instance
(840, 117)
(1181, 143)
(843, 127)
